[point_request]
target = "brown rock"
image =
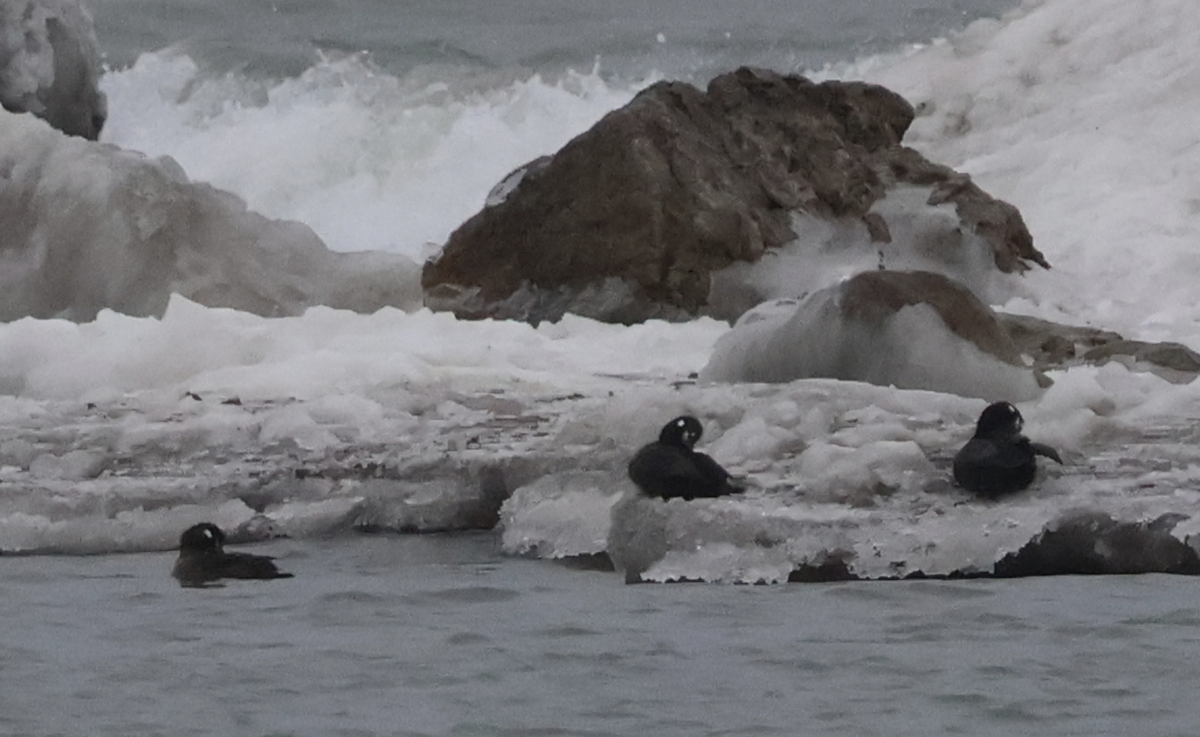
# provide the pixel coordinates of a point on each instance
(1093, 543)
(1055, 346)
(996, 221)
(630, 219)
(874, 296)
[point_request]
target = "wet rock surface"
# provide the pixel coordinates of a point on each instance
(1052, 345)
(629, 220)
(1093, 543)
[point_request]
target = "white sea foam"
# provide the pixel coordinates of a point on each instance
(368, 160)
(1082, 115)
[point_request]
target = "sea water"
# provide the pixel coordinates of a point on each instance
(383, 125)
(674, 38)
(440, 635)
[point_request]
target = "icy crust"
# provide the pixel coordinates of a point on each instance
(117, 434)
(129, 475)
(419, 423)
(853, 481)
(885, 509)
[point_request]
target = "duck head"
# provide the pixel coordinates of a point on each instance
(999, 420)
(202, 538)
(681, 432)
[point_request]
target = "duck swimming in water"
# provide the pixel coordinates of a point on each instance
(999, 460)
(203, 560)
(669, 468)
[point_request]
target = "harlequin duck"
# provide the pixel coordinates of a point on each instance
(203, 560)
(669, 468)
(999, 460)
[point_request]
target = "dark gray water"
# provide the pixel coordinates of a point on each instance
(442, 636)
(675, 38)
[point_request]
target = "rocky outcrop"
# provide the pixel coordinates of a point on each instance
(631, 219)
(50, 65)
(1093, 543)
(1054, 346)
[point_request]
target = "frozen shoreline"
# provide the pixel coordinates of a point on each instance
(834, 466)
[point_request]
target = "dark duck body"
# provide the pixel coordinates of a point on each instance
(203, 560)
(999, 460)
(670, 469)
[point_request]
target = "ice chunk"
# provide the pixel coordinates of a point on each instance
(822, 336)
(91, 228)
(561, 516)
(50, 64)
